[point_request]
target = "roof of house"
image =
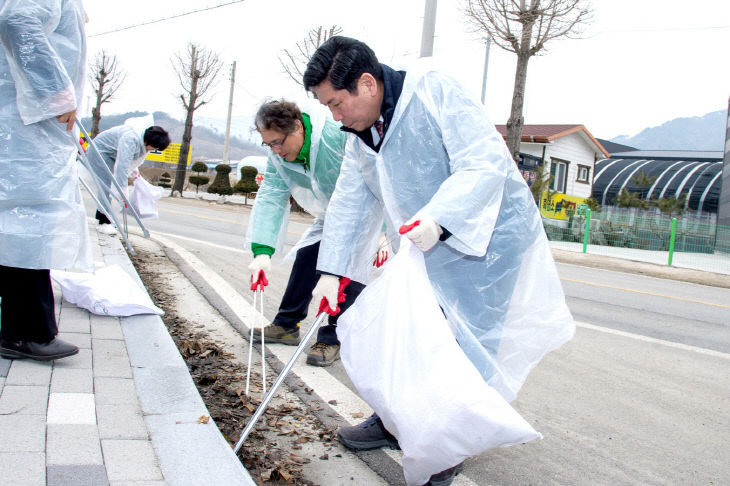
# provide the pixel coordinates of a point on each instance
(549, 133)
(613, 147)
(692, 155)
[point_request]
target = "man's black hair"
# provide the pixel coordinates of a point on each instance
(341, 61)
(157, 137)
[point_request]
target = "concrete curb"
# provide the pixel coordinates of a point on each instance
(188, 452)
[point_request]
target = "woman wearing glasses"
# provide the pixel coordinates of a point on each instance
(305, 154)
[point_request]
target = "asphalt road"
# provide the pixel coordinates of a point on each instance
(639, 396)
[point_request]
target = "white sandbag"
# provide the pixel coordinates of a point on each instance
(144, 198)
(110, 292)
(400, 353)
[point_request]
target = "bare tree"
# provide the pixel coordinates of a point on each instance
(524, 27)
(106, 77)
(197, 69)
(295, 61)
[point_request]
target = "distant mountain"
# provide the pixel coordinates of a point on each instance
(695, 133)
(241, 127)
(207, 142)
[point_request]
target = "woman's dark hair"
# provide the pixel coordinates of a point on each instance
(341, 61)
(157, 137)
(279, 115)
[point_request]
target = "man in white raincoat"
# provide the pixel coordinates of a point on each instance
(123, 150)
(306, 151)
(420, 149)
(42, 218)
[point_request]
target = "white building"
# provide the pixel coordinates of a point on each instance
(570, 152)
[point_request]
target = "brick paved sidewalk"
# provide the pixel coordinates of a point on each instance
(123, 411)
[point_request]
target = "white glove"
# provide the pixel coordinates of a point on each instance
(381, 256)
(425, 234)
(326, 288)
(261, 263)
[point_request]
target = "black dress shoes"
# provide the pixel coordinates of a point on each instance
(53, 349)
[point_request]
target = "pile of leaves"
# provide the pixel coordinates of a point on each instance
(221, 383)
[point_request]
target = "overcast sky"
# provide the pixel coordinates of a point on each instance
(639, 64)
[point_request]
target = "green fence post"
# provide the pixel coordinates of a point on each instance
(671, 241)
(587, 230)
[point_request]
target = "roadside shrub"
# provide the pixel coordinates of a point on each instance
(247, 183)
(221, 184)
(165, 180)
(197, 179)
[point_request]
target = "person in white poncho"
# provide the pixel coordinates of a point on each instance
(123, 150)
(306, 150)
(42, 218)
(422, 154)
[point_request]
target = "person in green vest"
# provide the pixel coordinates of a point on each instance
(305, 154)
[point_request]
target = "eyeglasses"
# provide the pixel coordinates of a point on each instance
(275, 145)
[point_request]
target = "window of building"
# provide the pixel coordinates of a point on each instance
(559, 173)
(584, 173)
(527, 166)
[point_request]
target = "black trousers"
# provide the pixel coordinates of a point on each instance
(27, 305)
(298, 295)
(101, 218)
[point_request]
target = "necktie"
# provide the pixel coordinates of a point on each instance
(379, 127)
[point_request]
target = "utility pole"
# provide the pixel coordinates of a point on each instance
(486, 67)
(230, 109)
(429, 27)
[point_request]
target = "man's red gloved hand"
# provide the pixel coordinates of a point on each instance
(260, 282)
(382, 255)
(260, 265)
(423, 231)
(330, 288)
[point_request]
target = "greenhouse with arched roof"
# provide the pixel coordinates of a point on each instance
(696, 176)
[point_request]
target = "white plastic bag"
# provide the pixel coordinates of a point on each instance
(110, 291)
(144, 198)
(401, 355)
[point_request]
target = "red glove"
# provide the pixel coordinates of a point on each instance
(324, 305)
(259, 267)
(382, 255)
(423, 231)
(260, 283)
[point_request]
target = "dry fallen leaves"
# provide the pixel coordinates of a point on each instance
(221, 383)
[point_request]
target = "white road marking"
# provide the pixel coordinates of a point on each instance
(157, 234)
(639, 337)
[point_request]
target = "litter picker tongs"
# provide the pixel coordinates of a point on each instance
(289, 365)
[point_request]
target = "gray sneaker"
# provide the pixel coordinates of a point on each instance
(278, 334)
(323, 354)
(445, 478)
(370, 434)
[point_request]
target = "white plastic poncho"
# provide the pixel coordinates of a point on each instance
(311, 188)
(494, 277)
(122, 149)
(42, 69)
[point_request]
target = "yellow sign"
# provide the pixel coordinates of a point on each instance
(559, 206)
(170, 155)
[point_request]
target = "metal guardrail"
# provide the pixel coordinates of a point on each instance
(662, 240)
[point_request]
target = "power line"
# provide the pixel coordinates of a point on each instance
(166, 18)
